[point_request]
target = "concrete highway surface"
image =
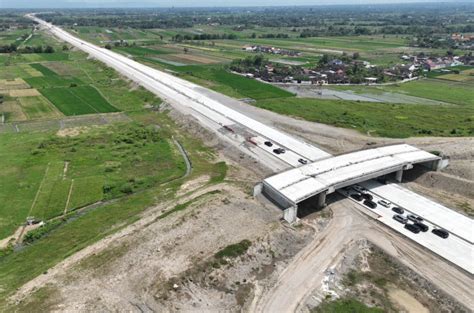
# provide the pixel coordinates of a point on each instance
(249, 136)
(454, 249)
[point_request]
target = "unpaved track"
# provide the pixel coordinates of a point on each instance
(306, 272)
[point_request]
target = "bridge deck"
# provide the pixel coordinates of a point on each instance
(308, 180)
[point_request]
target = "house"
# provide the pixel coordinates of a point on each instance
(335, 62)
(370, 80)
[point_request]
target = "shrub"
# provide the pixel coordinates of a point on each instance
(234, 250)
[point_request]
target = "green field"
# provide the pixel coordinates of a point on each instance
(43, 69)
(78, 100)
(450, 92)
(379, 119)
(115, 159)
(220, 80)
(140, 51)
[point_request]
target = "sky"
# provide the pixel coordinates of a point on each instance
(189, 3)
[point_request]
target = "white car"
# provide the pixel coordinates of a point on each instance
(384, 203)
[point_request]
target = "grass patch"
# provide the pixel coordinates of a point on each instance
(379, 119)
(344, 306)
(86, 190)
(38, 108)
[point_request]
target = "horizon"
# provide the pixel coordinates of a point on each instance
(149, 4)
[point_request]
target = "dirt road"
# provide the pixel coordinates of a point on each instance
(306, 272)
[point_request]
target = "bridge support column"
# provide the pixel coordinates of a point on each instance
(399, 176)
(322, 200)
(291, 214)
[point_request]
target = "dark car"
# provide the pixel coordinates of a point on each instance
(279, 150)
(303, 161)
(423, 227)
(398, 210)
(440, 232)
(268, 143)
(367, 196)
(413, 228)
(400, 218)
(370, 204)
(357, 196)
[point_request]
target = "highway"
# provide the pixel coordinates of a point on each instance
(454, 248)
(185, 97)
(249, 136)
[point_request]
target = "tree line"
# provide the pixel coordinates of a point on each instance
(11, 48)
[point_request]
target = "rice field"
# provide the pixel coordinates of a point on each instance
(78, 100)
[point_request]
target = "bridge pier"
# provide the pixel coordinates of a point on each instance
(321, 200)
(291, 214)
(399, 176)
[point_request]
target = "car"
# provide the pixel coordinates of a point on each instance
(367, 196)
(423, 227)
(356, 196)
(358, 188)
(440, 232)
(268, 143)
(398, 210)
(384, 203)
(414, 218)
(412, 227)
(279, 150)
(371, 204)
(303, 161)
(400, 218)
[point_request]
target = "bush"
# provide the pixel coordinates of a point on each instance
(39, 232)
(234, 250)
(127, 189)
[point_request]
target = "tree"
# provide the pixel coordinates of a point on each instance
(49, 49)
(355, 55)
(324, 59)
(108, 46)
(185, 50)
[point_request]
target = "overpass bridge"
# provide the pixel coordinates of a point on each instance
(322, 177)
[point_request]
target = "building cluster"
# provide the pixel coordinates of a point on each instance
(271, 50)
(334, 72)
(463, 41)
(346, 70)
(431, 63)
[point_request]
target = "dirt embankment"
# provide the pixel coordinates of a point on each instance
(377, 279)
(170, 264)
